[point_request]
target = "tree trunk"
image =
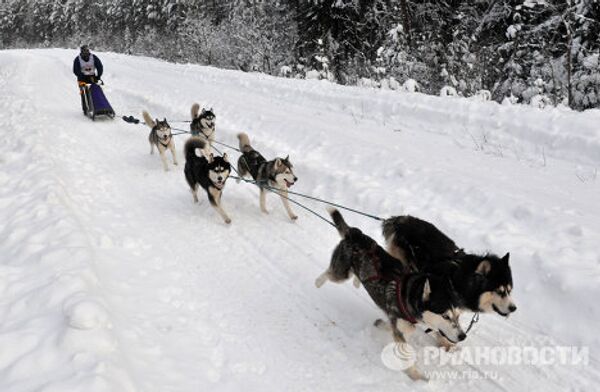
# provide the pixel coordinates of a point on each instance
(570, 70)
(406, 21)
(569, 61)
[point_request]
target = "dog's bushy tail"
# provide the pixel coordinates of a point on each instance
(195, 110)
(189, 149)
(244, 142)
(339, 221)
(148, 119)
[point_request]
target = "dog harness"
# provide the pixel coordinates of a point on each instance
(165, 145)
(205, 135)
(399, 282)
(168, 141)
(402, 304)
(255, 163)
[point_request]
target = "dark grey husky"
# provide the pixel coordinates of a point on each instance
(276, 173)
(406, 297)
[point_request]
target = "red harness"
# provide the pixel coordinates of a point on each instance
(402, 303)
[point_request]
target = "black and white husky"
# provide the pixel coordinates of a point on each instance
(203, 123)
(406, 297)
(205, 170)
(161, 137)
(276, 173)
(484, 282)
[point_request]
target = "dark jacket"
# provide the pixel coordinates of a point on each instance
(83, 78)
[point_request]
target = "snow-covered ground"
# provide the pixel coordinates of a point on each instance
(111, 279)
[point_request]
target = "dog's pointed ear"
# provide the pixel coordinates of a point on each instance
(287, 158)
(225, 157)
(484, 268)
(277, 163)
(426, 290)
(203, 110)
(506, 257)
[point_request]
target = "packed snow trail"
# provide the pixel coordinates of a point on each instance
(112, 279)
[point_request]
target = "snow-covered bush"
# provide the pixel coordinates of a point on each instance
(411, 86)
(367, 82)
(540, 101)
(313, 74)
(393, 83)
(483, 95)
(586, 89)
(390, 83)
(448, 91)
(510, 100)
(285, 71)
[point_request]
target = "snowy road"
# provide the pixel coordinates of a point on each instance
(111, 279)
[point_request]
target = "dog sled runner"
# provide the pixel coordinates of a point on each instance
(95, 101)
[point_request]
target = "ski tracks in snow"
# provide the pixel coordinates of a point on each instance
(138, 289)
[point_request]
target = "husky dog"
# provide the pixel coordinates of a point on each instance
(406, 297)
(161, 137)
(207, 171)
(484, 282)
(203, 123)
(276, 173)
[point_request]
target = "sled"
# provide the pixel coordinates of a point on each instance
(96, 102)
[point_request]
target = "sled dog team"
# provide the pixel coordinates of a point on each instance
(203, 169)
(422, 277)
